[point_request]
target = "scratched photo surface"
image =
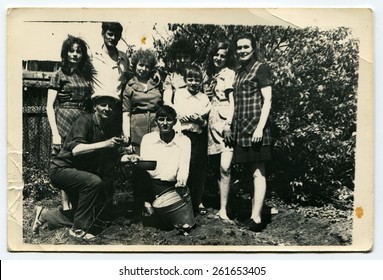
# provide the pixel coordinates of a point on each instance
(319, 177)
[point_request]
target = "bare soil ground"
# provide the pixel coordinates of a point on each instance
(294, 225)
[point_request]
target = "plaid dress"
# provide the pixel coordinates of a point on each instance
(248, 102)
(69, 109)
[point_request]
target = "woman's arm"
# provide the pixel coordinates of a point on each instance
(184, 162)
(265, 111)
(52, 94)
(227, 128)
(126, 124)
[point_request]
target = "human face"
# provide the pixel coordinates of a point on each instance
(142, 69)
(104, 107)
(219, 59)
(245, 50)
(183, 60)
(193, 84)
(165, 124)
(111, 38)
(74, 54)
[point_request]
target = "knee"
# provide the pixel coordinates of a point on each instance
(225, 171)
(95, 183)
(258, 174)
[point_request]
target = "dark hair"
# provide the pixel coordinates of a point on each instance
(112, 26)
(182, 45)
(193, 71)
(85, 67)
(146, 56)
(210, 68)
(250, 37)
(166, 111)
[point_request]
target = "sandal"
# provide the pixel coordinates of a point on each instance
(36, 222)
(225, 219)
(80, 234)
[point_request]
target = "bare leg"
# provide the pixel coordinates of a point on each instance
(224, 182)
(258, 171)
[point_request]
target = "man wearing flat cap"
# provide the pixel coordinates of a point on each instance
(84, 169)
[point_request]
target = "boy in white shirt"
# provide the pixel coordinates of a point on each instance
(193, 107)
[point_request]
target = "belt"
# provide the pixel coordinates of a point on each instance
(73, 105)
(142, 112)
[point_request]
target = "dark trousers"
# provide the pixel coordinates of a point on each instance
(86, 193)
(145, 188)
(198, 166)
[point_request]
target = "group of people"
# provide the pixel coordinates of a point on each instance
(116, 108)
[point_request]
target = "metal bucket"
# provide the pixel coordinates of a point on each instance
(175, 208)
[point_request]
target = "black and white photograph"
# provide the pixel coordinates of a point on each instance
(190, 130)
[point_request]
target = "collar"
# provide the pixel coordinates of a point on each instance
(248, 65)
(104, 50)
(197, 95)
(96, 120)
(159, 140)
(136, 85)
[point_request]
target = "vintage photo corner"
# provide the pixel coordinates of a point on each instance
(190, 130)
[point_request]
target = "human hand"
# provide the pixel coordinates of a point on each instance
(56, 148)
(56, 139)
(196, 118)
(113, 142)
(183, 118)
(130, 158)
(126, 140)
(227, 136)
(207, 89)
(257, 136)
(180, 183)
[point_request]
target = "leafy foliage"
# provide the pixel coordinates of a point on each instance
(36, 181)
(315, 76)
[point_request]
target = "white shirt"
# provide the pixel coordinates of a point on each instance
(187, 104)
(109, 75)
(173, 82)
(172, 158)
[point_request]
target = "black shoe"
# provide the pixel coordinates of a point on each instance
(256, 227)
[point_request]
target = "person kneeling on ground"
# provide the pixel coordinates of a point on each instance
(171, 151)
(84, 169)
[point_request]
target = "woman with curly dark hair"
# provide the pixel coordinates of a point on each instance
(141, 98)
(74, 78)
(69, 91)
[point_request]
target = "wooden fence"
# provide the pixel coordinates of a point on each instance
(36, 129)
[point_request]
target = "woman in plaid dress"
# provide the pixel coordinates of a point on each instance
(69, 93)
(251, 129)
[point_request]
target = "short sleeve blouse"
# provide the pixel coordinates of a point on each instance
(74, 84)
(248, 102)
(138, 99)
